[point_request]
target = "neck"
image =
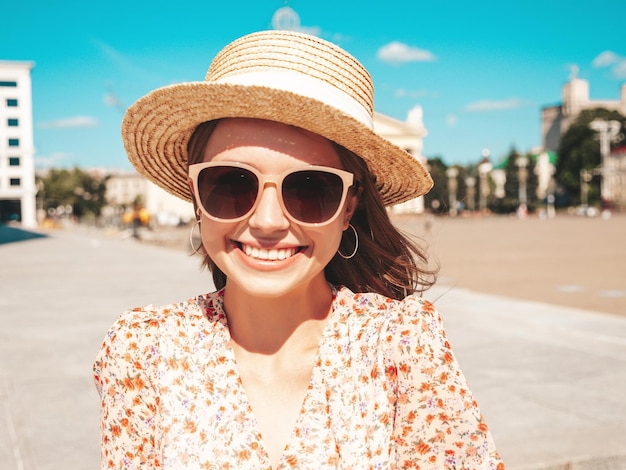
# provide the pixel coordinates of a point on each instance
(267, 325)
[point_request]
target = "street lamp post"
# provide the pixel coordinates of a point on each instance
(484, 167)
(608, 131)
(522, 176)
(452, 174)
(470, 184)
(41, 213)
(585, 178)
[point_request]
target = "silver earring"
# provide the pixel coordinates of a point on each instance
(356, 244)
(193, 248)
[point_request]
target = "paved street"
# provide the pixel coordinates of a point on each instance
(550, 379)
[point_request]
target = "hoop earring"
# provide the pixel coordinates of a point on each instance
(356, 244)
(193, 248)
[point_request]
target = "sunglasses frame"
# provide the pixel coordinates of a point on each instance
(195, 169)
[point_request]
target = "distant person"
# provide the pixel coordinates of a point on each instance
(316, 351)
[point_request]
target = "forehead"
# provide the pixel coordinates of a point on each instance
(248, 140)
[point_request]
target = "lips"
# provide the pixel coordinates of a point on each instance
(265, 254)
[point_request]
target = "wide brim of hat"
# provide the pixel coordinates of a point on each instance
(157, 128)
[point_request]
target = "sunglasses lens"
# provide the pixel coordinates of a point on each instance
(312, 196)
(227, 192)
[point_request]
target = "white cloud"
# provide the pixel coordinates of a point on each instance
(452, 120)
(606, 58)
(619, 70)
(615, 62)
(53, 160)
(70, 123)
(397, 52)
(404, 93)
(415, 116)
(487, 105)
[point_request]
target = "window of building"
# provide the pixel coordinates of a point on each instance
(14, 182)
(14, 142)
(8, 83)
(12, 102)
(14, 161)
(12, 122)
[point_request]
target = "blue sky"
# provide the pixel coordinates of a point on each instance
(481, 71)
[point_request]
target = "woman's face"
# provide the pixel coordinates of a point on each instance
(267, 254)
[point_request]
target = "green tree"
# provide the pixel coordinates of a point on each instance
(580, 149)
(437, 198)
(82, 191)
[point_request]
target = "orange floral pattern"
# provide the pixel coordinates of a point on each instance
(386, 393)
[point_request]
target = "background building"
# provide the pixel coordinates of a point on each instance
(408, 135)
(126, 191)
(555, 120)
(17, 170)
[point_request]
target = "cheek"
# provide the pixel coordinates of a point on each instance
(327, 241)
(214, 236)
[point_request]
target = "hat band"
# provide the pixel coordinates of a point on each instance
(304, 85)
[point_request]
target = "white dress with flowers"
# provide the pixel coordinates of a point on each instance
(385, 393)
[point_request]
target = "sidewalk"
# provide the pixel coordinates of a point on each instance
(550, 380)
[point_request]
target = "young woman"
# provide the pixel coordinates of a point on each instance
(316, 350)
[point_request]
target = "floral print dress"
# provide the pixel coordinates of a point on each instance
(385, 393)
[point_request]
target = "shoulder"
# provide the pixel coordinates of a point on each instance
(412, 309)
(412, 317)
(402, 331)
(137, 334)
(134, 343)
(150, 319)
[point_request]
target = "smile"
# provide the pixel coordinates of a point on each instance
(265, 254)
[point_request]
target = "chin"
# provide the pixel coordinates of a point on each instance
(275, 285)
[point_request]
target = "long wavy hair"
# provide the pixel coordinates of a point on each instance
(387, 261)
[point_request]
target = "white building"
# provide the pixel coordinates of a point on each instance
(17, 168)
(126, 189)
(409, 136)
(555, 120)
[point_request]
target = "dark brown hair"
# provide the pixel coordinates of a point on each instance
(387, 261)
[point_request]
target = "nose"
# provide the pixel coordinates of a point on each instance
(268, 215)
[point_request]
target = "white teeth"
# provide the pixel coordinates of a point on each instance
(270, 255)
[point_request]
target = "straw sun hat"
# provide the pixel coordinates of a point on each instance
(281, 76)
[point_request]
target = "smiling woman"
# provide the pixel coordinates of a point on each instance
(316, 351)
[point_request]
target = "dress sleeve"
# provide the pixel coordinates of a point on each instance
(124, 374)
(437, 423)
